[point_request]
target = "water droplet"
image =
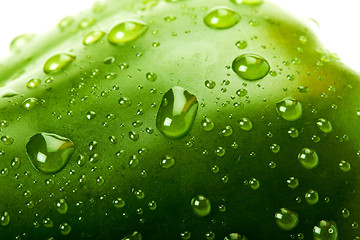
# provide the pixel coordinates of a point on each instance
(152, 205)
(176, 113)
(254, 183)
(139, 194)
(100, 180)
(118, 202)
(312, 197)
(308, 158)
(48, 152)
(151, 76)
(185, 235)
(62, 206)
(18, 42)
(344, 166)
(241, 44)
(123, 66)
(242, 92)
(93, 37)
(210, 84)
(167, 162)
(235, 236)
(124, 102)
(325, 230)
(286, 219)
(345, 213)
(47, 222)
(221, 18)
(4, 172)
(94, 158)
(15, 163)
(251, 67)
(33, 83)
(7, 140)
(245, 124)
(90, 115)
(86, 22)
(275, 148)
(324, 125)
(65, 22)
(30, 103)
(293, 132)
(126, 32)
(227, 131)
(134, 236)
(207, 124)
(292, 182)
(133, 135)
(289, 109)
(201, 205)
(57, 63)
(220, 151)
(209, 235)
(65, 229)
(5, 219)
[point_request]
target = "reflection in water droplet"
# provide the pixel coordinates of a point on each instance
(176, 113)
(62, 206)
(207, 124)
(167, 162)
(245, 124)
(221, 18)
(312, 197)
(126, 32)
(65, 229)
(5, 219)
(250, 67)
(48, 152)
(289, 109)
(235, 236)
(324, 125)
(325, 230)
(30, 103)
(57, 63)
(308, 158)
(286, 219)
(201, 205)
(33, 83)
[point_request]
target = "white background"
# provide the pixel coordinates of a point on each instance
(339, 21)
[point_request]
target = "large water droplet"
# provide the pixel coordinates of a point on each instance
(251, 67)
(93, 37)
(57, 63)
(201, 205)
(126, 32)
(176, 113)
(289, 109)
(286, 219)
(308, 158)
(48, 152)
(221, 18)
(325, 230)
(324, 125)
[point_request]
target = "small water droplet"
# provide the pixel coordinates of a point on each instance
(176, 113)
(241, 92)
(93, 37)
(201, 206)
(254, 183)
(65, 23)
(5, 219)
(90, 115)
(20, 41)
(65, 229)
(33, 83)
(275, 148)
(345, 213)
(220, 151)
(207, 124)
(286, 219)
(139, 194)
(151, 76)
(7, 140)
(152, 205)
(308, 158)
(124, 102)
(48, 152)
(227, 131)
(344, 166)
(289, 109)
(210, 84)
(241, 44)
(235, 236)
(47, 222)
(293, 132)
(250, 67)
(118, 202)
(221, 18)
(292, 182)
(126, 32)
